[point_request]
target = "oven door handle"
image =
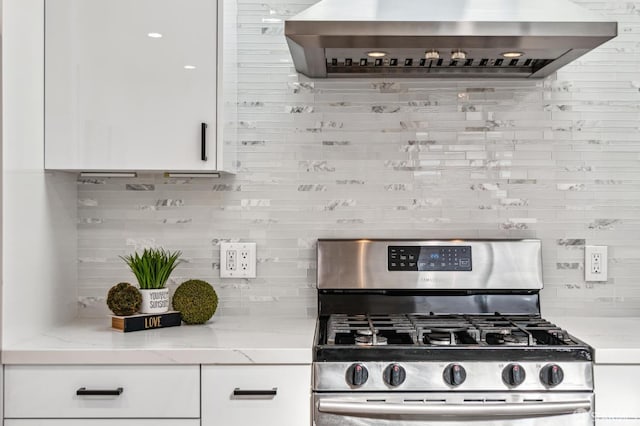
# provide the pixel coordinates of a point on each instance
(483, 411)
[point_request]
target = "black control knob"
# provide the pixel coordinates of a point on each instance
(394, 375)
(357, 375)
(551, 375)
(513, 375)
(454, 374)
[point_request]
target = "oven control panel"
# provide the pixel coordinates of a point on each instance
(429, 258)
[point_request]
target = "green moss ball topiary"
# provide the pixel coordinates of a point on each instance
(124, 299)
(196, 300)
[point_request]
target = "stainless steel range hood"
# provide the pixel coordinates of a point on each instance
(442, 38)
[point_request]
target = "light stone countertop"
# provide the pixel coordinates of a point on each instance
(223, 340)
(257, 340)
(614, 340)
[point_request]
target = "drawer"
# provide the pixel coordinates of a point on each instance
(103, 422)
(147, 391)
(269, 395)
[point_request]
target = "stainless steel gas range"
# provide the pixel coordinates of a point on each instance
(430, 332)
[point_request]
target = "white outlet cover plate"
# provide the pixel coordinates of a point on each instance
(589, 275)
(245, 260)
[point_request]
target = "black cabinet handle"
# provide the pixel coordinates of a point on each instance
(99, 392)
(241, 392)
(203, 140)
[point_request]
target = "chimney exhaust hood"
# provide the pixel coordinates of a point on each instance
(442, 38)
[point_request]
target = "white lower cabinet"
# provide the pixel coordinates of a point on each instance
(265, 395)
(101, 391)
(617, 391)
(157, 395)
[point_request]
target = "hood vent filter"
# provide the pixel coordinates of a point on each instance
(415, 67)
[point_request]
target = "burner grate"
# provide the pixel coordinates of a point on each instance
(370, 330)
(435, 330)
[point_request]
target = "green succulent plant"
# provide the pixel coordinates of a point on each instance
(196, 300)
(153, 268)
(124, 299)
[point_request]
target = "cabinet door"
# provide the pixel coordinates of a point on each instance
(617, 392)
(128, 84)
(275, 395)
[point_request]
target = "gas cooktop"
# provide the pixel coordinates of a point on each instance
(421, 337)
(444, 330)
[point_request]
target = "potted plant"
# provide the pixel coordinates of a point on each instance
(152, 270)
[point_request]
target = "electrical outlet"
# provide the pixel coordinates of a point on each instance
(231, 259)
(237, 260)
(595, 263)
(243, 260)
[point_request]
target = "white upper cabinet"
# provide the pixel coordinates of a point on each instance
(131, 85)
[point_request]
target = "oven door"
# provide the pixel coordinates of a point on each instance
(453, 409)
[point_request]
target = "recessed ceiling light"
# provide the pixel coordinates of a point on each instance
(512, 54)
(155, 35)
(377, 54)
(189, 67)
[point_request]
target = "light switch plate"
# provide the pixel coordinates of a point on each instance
(595, 263)
(238, 260)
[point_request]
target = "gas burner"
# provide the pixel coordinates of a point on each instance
(367, 332)
(441, 338)
(371, 341)
(505, 338)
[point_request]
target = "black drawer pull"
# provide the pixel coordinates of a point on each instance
(203, 141)
(241, 392)
(99, 392)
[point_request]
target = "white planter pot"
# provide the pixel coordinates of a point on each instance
(154, 301)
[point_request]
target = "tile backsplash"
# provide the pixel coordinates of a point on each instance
(557, 159)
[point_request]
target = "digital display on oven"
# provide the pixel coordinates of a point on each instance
(429, 258)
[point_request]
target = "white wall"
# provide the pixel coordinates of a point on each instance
(39, 209)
